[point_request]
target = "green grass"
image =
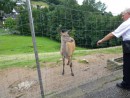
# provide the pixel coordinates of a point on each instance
(17, 51)
(110, 50)
(39, 3)
(12, 44)
(27, 60)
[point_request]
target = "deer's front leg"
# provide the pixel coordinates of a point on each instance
(70, 63)
(63, 65)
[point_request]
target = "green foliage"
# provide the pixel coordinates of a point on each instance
(93, 6)
(88, 22)
(10, 23)
(7, 5)
(23, 23)
(56, 2)
(39, 19)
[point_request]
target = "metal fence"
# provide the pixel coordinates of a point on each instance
(38, 75)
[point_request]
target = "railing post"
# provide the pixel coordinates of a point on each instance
(35, 47)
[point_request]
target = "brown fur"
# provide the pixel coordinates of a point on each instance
(67, 49)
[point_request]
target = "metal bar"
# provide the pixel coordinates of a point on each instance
(35, 47)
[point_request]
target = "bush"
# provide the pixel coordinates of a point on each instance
(10, 23)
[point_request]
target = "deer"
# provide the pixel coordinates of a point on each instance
(67, 49)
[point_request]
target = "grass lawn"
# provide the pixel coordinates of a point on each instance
(39, 3)
(13, 44)
(17, 51)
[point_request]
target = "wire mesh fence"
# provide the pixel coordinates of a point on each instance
(18, 72)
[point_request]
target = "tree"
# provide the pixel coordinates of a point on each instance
(7, 5)
(69, 3)
(56, 2)
(91, 5)
(10, 23)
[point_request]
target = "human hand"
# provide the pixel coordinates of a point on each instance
(99, 42)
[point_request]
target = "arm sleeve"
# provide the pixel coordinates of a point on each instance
(121, 29)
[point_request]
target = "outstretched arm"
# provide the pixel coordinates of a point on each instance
(106, 38)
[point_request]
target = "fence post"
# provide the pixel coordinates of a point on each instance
(35, 47)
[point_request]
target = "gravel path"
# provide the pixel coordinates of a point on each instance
(53, 81)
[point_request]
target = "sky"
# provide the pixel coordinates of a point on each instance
(115, 6)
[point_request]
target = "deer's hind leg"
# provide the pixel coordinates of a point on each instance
(70, 63)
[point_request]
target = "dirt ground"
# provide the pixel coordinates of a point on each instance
(23, 82)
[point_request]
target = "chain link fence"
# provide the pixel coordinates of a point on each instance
(19, 73)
